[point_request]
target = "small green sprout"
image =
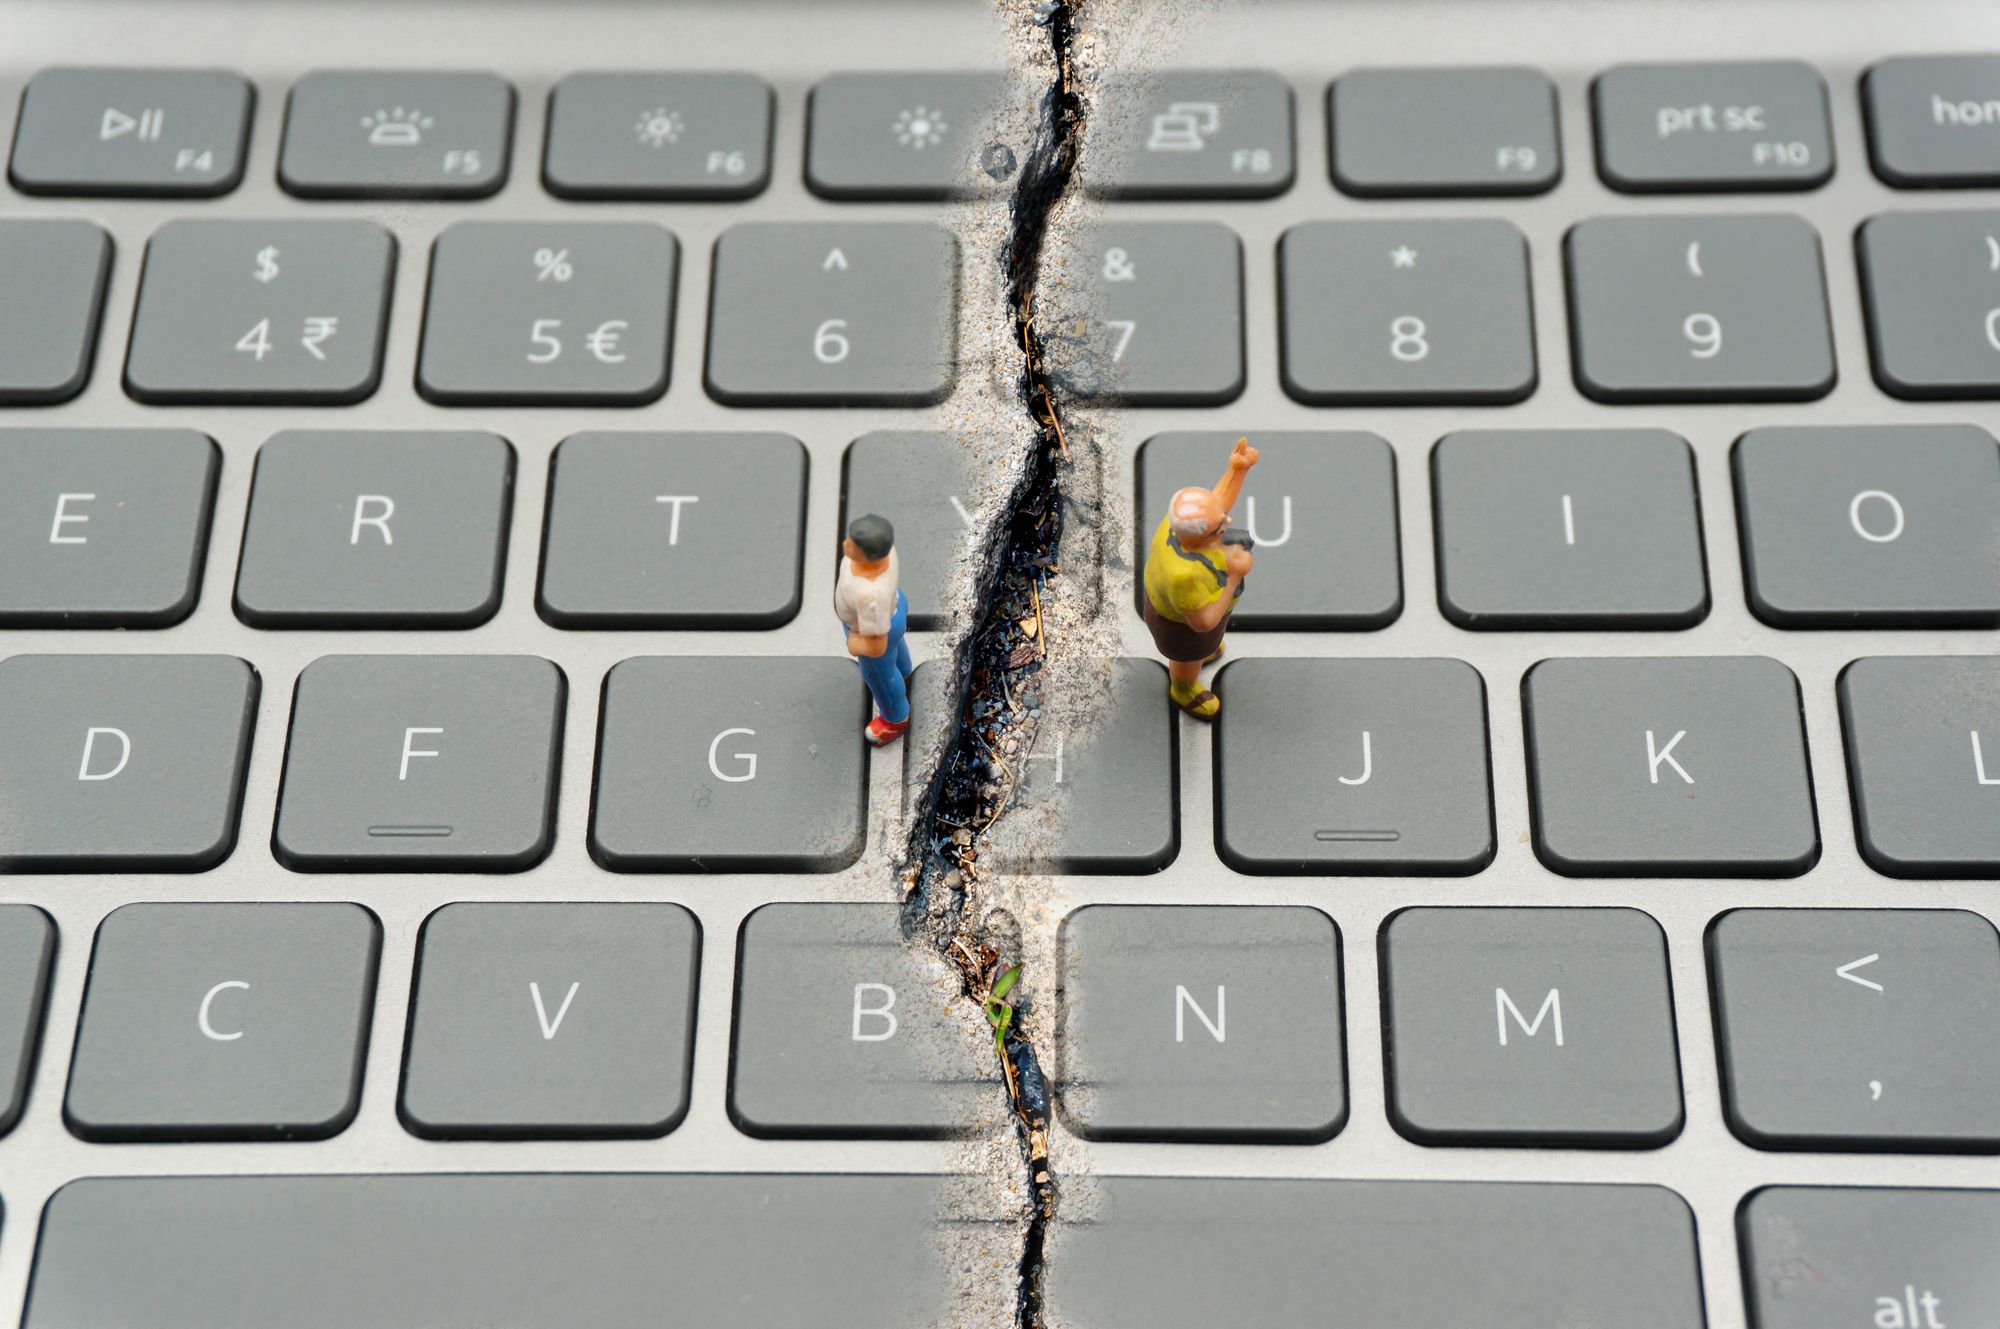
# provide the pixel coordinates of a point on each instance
(998, 1013)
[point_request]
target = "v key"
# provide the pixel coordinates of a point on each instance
(549, 1026)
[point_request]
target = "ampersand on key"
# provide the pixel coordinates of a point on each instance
(1117, 266)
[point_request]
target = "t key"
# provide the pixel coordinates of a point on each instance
(252, 311)
(1406, 311)
(1859, 1028)
(1699, 309)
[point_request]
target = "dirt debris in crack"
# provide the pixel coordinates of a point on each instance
(995, 688)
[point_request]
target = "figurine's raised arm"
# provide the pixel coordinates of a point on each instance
(1241, 459)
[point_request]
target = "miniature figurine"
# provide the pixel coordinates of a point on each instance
(877, 615)
(1194, 573)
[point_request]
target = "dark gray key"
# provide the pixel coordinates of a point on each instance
(1403, 133)
(1931, 281)
(658, 136)
(1923, 757)
(1932, 120)
(122, 763)
(1353, 767)
(421, 763)
(585, 1251)
(1583, 528)
(534, 313)
(928, 485)
(224, 1022)
(405, 134)
(811, 313)
(1530, 1027)
(51, 292)
(1149, 313)
(1191, 133)
(364, 529)
(1698, 309)
(1823, 1255)
(1315, 501)
(27, 950)
(552, 1020)
(1096, 798)
(674, 531)
(1858, 1028)
(132, 131)
(103, 527)
(1181, 1253)
(1201, 1024)
(730, 764)
(1739, 125)
(1673, 767)
(903, 135)
(1870, 527)
(1406, 311)
(846, 1028)
(252, 311)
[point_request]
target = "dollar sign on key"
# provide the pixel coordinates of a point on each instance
(267, 263)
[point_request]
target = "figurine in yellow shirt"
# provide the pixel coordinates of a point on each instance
(1192, 578)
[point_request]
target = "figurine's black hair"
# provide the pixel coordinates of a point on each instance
(872, 535)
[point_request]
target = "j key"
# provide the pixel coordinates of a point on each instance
(224, 1022)
(1398, 312)
(103, 527)
(533, 313)
(354, 529)
(905, 136)
(1749, 125)
(121, 763)
(1402, 133)
(1932, 286)
(256, 311)
(1669, 767)
(1932, 120)
(1096, 797)
(1530, 1026)
(584, 1251)
(407, 134)
(1192, 134)
(1917, 1259)
(1150, 313)
(674, 531)
(1568, 529)
(1182, 1253)
(27, 949)
(132, 131)
(1890, 526)
(551, 1020)
(1858, 1028)
(844, 1028)
(1353, 767)
(421, 763)
(1923, 756)
(806, 313)
(1328, 499)
(1201, 1024)
(728, 764)
(659, 136)
(1698, 309)
(931, 483)
(51, 292)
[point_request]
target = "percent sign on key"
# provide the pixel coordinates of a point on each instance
(553, 265)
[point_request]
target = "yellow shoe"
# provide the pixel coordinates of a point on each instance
(1195, 699)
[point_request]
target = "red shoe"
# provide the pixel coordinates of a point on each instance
(881, 733)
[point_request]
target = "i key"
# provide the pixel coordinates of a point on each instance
(1699, 309)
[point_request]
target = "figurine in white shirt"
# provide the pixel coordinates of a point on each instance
(877, 614)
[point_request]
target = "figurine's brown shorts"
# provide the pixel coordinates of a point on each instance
(1179, 642)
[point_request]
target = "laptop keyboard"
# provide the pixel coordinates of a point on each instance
(432, 797)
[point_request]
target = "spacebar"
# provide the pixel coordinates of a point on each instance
(555, 1252)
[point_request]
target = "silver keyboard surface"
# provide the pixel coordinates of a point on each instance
(1646, 287)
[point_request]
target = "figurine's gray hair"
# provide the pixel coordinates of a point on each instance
(872, 535)
(1191, 512)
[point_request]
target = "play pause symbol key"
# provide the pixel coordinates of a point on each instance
(132, 131)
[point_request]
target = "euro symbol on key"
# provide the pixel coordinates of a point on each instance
(603, 341)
